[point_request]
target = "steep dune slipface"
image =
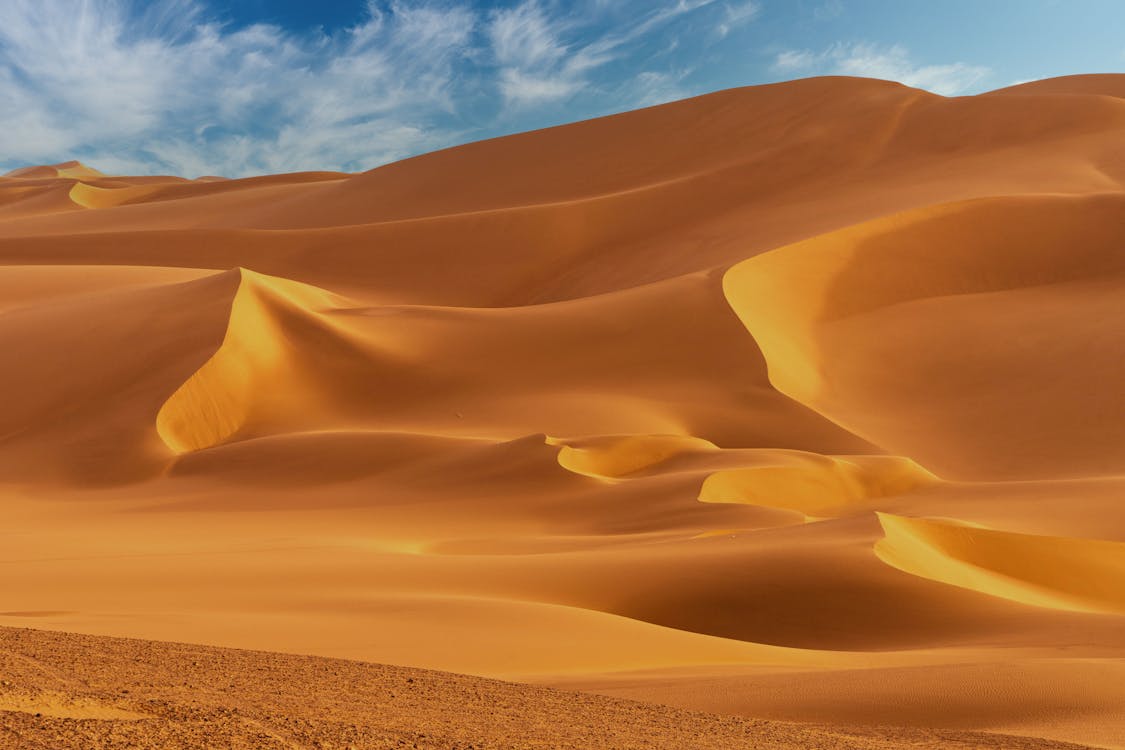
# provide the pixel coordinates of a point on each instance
(106, 196)
(612, 456)
(663, 359)
(817, 486)
(259, 367)
(1078, 574)
(981, 339)
(800, 401)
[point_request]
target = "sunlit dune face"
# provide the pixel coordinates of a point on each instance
(1063, 573)
(799, 401)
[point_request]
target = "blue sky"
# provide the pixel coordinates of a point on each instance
(242, 87)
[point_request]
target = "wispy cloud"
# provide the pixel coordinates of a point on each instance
(796, 61)
(163, 89)
(738, 14)
(535, 64)
(828, 10)
(541, 58)
(652, 87)
(891, 63)
(161, 85)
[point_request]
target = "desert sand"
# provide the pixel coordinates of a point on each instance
(66, 691)
(797, 403)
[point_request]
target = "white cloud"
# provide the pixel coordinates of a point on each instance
(652, 87)
(525, 88)
(738, 14)
(795, 60)
(524, 36)
(889, 63)
(159, 89)
(159, 86)
(829, 10)
(535, 64)
(665, 14)
(538, 65)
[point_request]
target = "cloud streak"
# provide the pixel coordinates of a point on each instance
(163, 89)
(147, 86)
(540, 63)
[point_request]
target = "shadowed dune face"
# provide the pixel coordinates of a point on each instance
(812, 387)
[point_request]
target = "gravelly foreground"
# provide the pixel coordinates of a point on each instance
(61, 691)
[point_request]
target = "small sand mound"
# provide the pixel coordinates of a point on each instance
(91, 196)
(616, 456)
(817, 486)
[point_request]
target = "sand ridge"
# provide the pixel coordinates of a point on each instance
(807, 390)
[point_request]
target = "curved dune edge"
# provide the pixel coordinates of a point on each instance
(254, 357)
(1082, 575)
(816, 486)
(828, 312)
(615, 456)
(782, 296)
(89, 196)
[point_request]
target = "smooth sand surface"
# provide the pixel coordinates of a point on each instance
(799, 402)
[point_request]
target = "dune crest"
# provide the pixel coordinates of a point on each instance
(899, 329)
(617, 456)
(66, 170)
(252, 362)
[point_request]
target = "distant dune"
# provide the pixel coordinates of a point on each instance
(799, 402)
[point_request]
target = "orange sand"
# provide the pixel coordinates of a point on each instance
(799, 401)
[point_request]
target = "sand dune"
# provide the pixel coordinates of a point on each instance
(798, 402)
(963, 297)
(817, 486)
(71, 169)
